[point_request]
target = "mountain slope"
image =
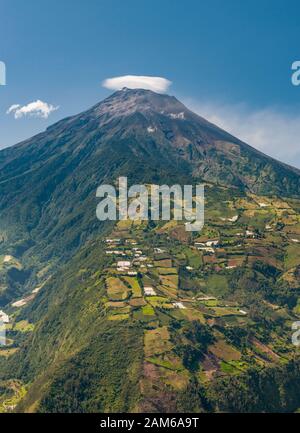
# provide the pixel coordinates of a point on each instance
(228, 337)
(220, 318)
(131, 129)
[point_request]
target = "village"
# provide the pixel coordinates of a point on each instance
(141, 279)
(167, 274)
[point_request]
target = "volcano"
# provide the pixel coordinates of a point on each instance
(85, 334)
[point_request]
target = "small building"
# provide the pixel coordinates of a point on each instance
(207, 249)
(243, 312)
(149, 291)
(159, 250)
(4, 317)
(212, 242)
(123, 264)
(179, 305)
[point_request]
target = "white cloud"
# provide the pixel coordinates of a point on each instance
(157, 84)
(35, 109)
(274, 132)
(13, 108)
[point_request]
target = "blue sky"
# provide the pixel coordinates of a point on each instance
(228, 60)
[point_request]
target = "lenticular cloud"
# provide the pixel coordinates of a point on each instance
(157, 84)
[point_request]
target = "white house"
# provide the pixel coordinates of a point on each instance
(243, 312)
(4, 317)
(211, 243)
(207, 249)
(158, 250)
(149, 291)
(179, 305)
(123, 264)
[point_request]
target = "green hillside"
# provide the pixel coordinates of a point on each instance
(188, 325)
